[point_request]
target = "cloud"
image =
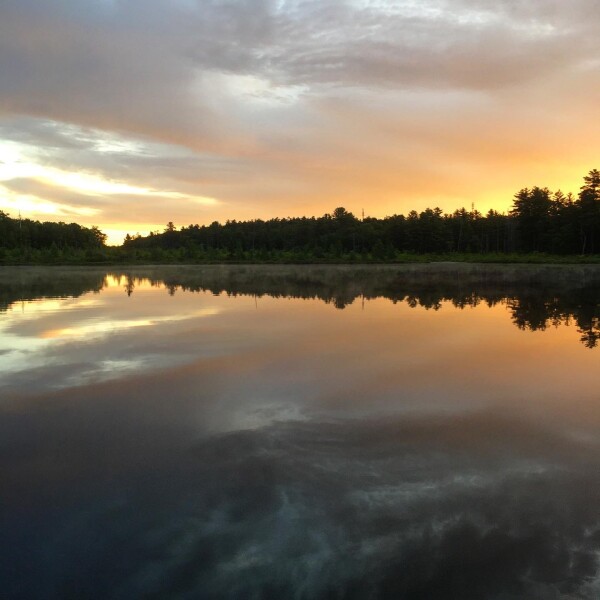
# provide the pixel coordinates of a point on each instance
(293, 106)
(147, 68)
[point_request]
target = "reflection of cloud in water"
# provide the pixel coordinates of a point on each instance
(99, 327)
(31, 342)
(477, 506)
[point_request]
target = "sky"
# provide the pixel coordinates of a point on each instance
(128, 114)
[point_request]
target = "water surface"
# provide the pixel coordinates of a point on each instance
(300, 432)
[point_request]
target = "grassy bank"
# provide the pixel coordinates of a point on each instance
(117, 256)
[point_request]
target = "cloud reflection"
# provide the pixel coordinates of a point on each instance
(480, 506)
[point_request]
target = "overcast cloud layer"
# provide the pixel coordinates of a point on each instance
(127, 114)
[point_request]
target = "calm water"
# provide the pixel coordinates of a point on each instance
(311, 432)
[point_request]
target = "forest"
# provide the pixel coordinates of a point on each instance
(25, 240)
(540, 223)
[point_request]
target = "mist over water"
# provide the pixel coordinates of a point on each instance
(427, 431)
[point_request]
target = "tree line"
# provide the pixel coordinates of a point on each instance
(46, 240)
(539, 221)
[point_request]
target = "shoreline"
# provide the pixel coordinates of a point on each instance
(524, 259)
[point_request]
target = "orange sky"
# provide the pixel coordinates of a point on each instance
(131, 114)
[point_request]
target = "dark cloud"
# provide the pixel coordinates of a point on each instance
(144, 67)
(334, 44)
(117, 69)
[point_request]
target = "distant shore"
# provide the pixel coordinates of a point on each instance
(120, 259)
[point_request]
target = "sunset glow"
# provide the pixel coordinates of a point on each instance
(128, 115)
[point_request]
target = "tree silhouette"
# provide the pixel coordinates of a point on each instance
(589, 212)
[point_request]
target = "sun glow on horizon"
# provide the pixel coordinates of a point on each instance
(17, 166)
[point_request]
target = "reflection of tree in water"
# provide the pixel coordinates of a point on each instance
(340, 303)
(536, 312)
(20, 284)
(590, 336)
(129, 285)
(537, 296)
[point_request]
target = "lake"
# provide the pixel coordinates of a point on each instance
(414, 432)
